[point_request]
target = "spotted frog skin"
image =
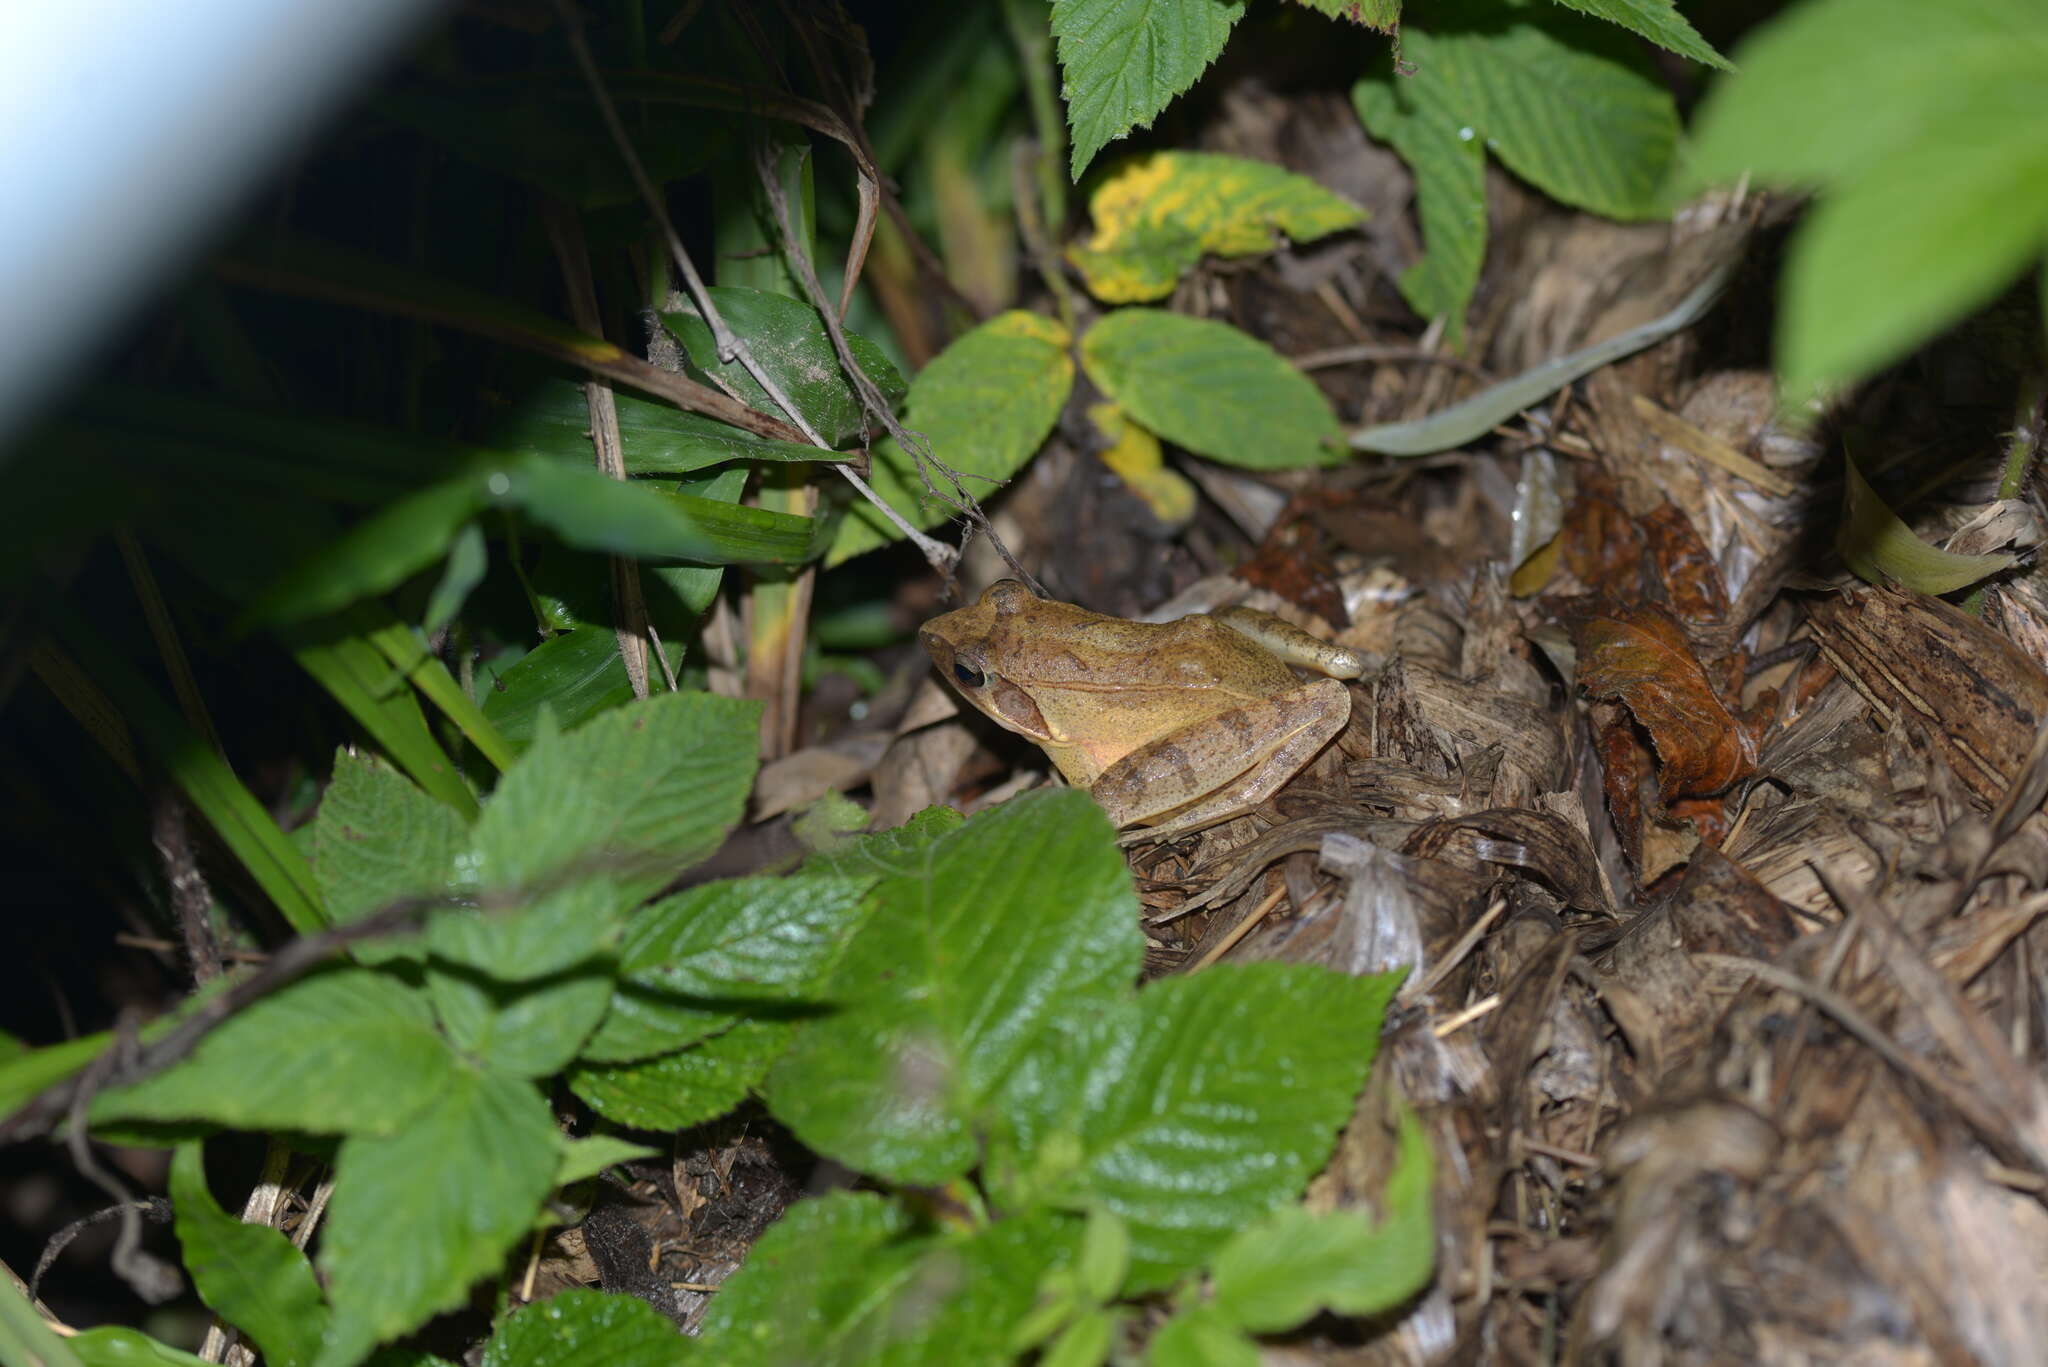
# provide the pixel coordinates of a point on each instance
(1169, 725)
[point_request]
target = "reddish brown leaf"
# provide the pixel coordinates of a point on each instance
(1602, 545)
(1625, 772)
(1639, 655)
(1691, 578)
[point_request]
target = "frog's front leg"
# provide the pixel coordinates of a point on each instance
(1229, 762)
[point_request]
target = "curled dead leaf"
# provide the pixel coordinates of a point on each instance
(1639, 656)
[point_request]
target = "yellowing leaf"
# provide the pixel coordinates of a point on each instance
(1884, 550)
(1135, 456)
(1156, 216)
(1639, 655)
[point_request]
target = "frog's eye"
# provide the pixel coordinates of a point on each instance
(968, 675)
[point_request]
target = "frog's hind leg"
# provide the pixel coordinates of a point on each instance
(1179, 782)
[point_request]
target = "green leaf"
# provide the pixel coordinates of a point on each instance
(1197, 1108)
(591, 1154)
(377, 554)
(342, 1051)
(844, 1281)
(642, 519)
(955, 978)
(687, 1087)
(1212, 389)
(985, 405)
(25, 1336)
(1881, 549)
(1293, 1264)
(885, 854)
(419, 1215)
(1085, 1342)
(468, 560)
(249, 1275)
(1449, 163)
(638, 794)
(1157, 215)
(693, 963)
(575, 1327)
(1384, 15)
(1124, 60)
(113, 1347)
(575, 674)
(1657, 20)
(655, 439)
(378, 839)
(1105, 1257)
(788, 341)
(520, 1029)
(1924, 131)
(1201, 1337)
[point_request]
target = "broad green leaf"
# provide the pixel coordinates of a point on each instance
(1449, 163)
(1277, 1273)
(985, 405)
(884, 854)
(527, 1029)
(1567, 102)
(637, 794)
(1657, 20)
(843, 1281)
(574, 1328)
(1384, 15)
(249, 1275)
(468, 560)
(378, 839)
(1212, 389)
(1924, 132)
(1882, 549)
(1156, 216)
(591, 1154)
(1124, 60)
(656, 439)
(1201, 1336)
(1085, 1342)
(419, 1215)
(692, 964)
(641, 518)
(343, 1051)
(1197, 1108)
(687, 1087)
(955, 978)
(789, 342)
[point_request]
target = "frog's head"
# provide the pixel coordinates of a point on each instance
(974, 648)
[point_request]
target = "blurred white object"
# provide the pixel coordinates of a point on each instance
(128, 130)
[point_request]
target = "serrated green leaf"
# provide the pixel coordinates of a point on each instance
(885, 854)
(1882, 549)
(637, 794)
(687, 1087)
(1201, 1337)
(655, 438)
(342, 1051)
(691, 965)
(1450, 194)
(1567, 102)
(789, 342)
(578, 1328)
(1156, 216)
(1197, 1108)
(1293, 1264)
(955, 977)
(591, 1154)
(1212, 389)
(1123, 60)
(985, 405)
(846, 1280)
(529, 1029)
(249, 1275)
(377, 838)
(1657, 20)
(419, 1215)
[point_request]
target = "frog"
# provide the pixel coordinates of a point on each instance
(1168, 725)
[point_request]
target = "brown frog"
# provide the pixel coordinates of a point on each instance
(1170, 724)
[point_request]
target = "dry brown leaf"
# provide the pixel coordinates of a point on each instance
(1639, 655)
